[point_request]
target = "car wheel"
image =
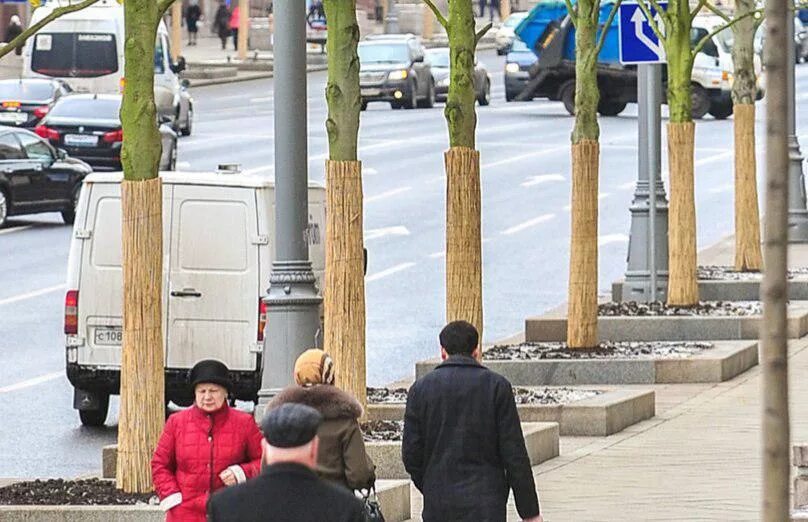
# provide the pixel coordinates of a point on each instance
(412, 101)
(509, 95)
(3, 208)
(172, 163)
(610, 108)
(186, 131)
(96, 418)
(429, 101)
(485, 96)
(69, 214)
(700, 100)
(364, 105)
(721, 111)
(567, 96)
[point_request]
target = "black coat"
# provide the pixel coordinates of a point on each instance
(463, 445)
(285, 493)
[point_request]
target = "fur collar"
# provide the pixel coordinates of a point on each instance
(330, 401)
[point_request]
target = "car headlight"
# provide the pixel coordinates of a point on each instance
(512, 67)
(398, 75)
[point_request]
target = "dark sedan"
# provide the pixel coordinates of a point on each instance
(439, 59)
(518, 63)
(88, 127)
(35, 177)
(393, 69)
(23, 103)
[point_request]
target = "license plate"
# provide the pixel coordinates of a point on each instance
(370, 92)
(13, 117)
(107, 336)
(81, 140)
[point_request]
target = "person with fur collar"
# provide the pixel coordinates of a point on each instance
(342, 457)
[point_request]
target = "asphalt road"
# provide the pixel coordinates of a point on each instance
(526, 184)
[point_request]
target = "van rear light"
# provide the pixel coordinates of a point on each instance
(72, 312)
(40, 112)
(46, 132)
(262, 318)
(113, 136)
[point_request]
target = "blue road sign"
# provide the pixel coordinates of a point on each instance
(638, 42)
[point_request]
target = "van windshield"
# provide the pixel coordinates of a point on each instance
(75, 55)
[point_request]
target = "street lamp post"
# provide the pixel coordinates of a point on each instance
(797, 212)
(293, 319)
(391, 18)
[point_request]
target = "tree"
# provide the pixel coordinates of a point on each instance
(344, 293)
(142, 411)
(464, 276)
(582, 310)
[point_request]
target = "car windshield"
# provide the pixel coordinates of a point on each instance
(439, 58)
(725, 39)
(384, 53)
(26, 91)
(514, 19)
(79, 55)
(519, 46)
(99, 108)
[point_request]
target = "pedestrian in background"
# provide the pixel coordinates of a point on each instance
(463, 443)
(342, 457)
(14, 30)
(234, 24)
(192, 15)
(221, 23)
(205, 447)
(288, 490)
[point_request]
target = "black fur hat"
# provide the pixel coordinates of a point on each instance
(211, 371)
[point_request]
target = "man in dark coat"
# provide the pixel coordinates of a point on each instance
(463, 443)
(288, 490)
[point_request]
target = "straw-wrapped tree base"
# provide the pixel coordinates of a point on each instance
(142, 411)
(683, 287)
(582, 311)
(344, 294)
(464, 277)
(747, 217)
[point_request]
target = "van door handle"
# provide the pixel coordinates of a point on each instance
(186, 292)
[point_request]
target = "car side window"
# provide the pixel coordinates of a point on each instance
(35, 148)
(10, 148)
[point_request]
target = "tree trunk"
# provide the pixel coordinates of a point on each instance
(142, 413)
(464, 276)
(744, 91)
(774, 344)
(459, 111)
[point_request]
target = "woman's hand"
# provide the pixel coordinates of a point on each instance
(228, 477)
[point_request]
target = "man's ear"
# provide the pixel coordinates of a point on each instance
(265, 450)
(478, 353)
(443, 354)
(315, 449)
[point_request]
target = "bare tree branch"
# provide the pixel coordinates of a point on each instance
(441, 19)
(651, 22)
(164, 5)
(717, 12)
(661, 12)
(573, 12)
(481, 33)
(28, 33)
(605, 30)
(697, 9)
(699, 46)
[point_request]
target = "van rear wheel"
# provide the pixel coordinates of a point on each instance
(95, 418)
(567, 96)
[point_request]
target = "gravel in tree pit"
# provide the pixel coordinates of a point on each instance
(728, 273)
(548, 395)
(703, 309)
(59, 492)
(605, 350)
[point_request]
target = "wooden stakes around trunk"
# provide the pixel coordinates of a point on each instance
(747, 217)
(344, 292)
(683, 287)
(582, 312)
(142, 379)
(464, 277)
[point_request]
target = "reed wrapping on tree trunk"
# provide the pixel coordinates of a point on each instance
(747, 217)
(344, 278)
(142, 407)
(683, 289)
(464, 277)
(582, 311)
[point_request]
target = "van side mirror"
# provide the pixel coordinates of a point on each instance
(61, 154)
(180, 65)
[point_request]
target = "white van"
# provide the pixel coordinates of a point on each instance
(86, 50)
(218, 237)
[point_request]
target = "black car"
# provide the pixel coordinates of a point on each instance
(393, 69)
(36, 177)
(23, 103)
(439, 60)
(88, 127)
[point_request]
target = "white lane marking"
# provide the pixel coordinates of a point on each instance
(604, 195)
(183, 165)
(567, 208)
(727, 187)
(31, 295)
(369, 171)
(31, 382)
(532, 181)
(527, 224)
(606, 239)
(257, 170)
(15, 229)
(435, 180)
(627, 186)
(388, 194)
(388, 272)
(713, 158)
(376, 233)
(437, 255)
(262, 99)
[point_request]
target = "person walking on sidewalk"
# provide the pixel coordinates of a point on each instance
(463, 443)
(342, 458)
(288, 490)
(221, 23)
(192, 15)
(14, 30)
(234, 24)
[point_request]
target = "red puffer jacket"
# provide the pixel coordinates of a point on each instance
(194, 448)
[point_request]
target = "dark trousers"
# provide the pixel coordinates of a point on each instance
(234, 32)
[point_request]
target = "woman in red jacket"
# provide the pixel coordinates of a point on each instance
(204, 448)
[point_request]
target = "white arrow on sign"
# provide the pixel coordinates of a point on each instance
(639, 20)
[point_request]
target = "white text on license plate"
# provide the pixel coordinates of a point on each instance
(15, 117)
(103, 336)
(371, 92)
(81, 140)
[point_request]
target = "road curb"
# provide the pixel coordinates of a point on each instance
(237, 79)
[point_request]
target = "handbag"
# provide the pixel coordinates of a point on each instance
(373, 510)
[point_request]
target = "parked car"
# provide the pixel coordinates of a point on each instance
(88, 127)
(800, 39)
(24, 102)
(439, 61)
(36, 177)
(517, 69)
(505, 34)
(393, 69)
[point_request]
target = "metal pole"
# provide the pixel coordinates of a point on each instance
(797, 212)
(391, 18)
(293, 319)
(653, 79)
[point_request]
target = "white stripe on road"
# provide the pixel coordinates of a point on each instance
(15, 229)
(437, 255)
(388, 272)
(604, 195)
(388, 194)
(527, 224)
(369, 171)
(30, 295)
(727, 187)
(607, 239)
(532, 181)
(376, 233)
(713, 158)
(31, 382)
